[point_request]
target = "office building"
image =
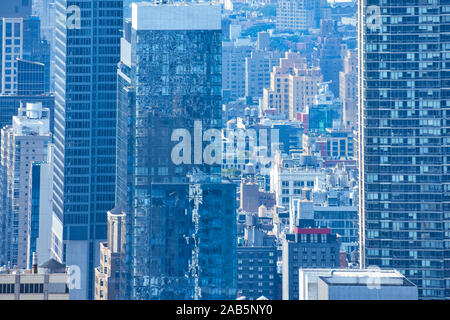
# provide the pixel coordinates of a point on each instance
(30, 77)
(290, 177)
(201, 268)
(87, 50)
(404, 141)
(348, 89)
(331, 48)
(338, 144)
(325, 112)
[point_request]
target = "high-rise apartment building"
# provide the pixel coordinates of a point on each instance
(87, 50)
(404, 138)
(23, 143)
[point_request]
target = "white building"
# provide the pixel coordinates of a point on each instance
(355, 284)
(45, 235)
(23, 143)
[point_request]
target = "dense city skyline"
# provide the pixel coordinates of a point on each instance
(224, 150)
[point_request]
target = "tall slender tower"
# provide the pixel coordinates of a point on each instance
(87, 50)
(404, 123)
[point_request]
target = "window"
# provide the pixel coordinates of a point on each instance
(31, 288)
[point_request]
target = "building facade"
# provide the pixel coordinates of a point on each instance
(258, 68)
(404, 141)
(355, 284)
(109, 275)
(46, 282)
(23, 143)
(257, 272)
(170, 82)
(307, 248)
(87, 50)
(348, 89)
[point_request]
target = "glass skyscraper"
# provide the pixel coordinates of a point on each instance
(405, 140)
(87, 50)
(180, 217)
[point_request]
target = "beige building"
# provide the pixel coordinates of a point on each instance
(348, 88)
(48, 282)
(108, 275)
(293, 86)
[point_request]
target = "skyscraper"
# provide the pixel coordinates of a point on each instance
(24, 61)
(87, 50)
(170, 80)
(404, 138)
